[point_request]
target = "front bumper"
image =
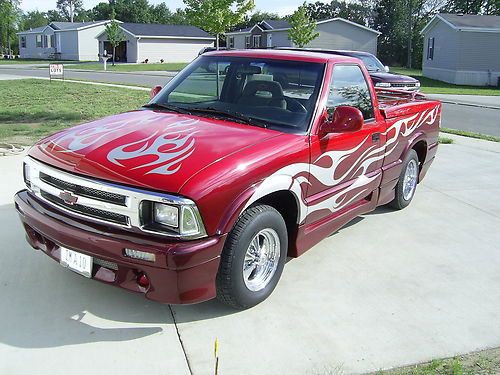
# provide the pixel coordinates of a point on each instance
(183, 272)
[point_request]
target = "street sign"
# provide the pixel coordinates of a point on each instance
(56, 71)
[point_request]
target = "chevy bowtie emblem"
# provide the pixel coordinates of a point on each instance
(67, 197)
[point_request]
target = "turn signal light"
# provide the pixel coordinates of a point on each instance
(143, 280)
(141, 255)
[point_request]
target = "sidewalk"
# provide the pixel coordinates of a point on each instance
(470, 100)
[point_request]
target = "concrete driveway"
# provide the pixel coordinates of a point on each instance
(391, 289)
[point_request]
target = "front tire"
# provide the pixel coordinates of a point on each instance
(253, 258)
(407, 183)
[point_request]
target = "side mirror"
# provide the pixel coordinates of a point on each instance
(345, 119)
(386, 68)
(154, 91)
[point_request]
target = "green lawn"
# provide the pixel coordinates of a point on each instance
(32, 109)
(486, 362)
(432, 86)
(131, 67)
(32, 61)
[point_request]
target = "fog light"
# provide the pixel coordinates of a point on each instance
(142, 280)
(141, 255)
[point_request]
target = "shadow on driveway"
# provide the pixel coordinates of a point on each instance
(44, 305)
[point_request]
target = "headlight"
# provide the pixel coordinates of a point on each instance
(417, 84)
(27, 174)
(177, 219)
(165, 214)
(382, 84)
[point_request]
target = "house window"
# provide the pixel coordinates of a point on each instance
(430, 49)
(247, 41)
(23, 42)
(231, 42)
(256, 41)
(39, 41)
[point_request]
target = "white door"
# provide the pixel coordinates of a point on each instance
(269, 40)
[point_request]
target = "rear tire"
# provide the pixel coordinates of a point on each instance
(253, 258)
(407, 183)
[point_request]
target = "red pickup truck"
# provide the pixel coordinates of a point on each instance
(227, 171)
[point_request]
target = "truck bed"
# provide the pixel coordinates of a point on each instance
(394, 103)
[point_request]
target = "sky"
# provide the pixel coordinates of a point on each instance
(282, 7)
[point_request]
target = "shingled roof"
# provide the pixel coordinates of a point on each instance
(159, 30)
(472, 20)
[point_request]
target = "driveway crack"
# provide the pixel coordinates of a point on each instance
(180, 340)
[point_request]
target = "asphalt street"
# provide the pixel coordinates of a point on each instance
(471, 118)
(148, 79)
(390, 289)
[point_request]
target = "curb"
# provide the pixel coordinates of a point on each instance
(469, 104)
(170, 73)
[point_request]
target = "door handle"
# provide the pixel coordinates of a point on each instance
(375, 137)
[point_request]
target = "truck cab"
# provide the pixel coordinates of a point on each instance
(241, 160)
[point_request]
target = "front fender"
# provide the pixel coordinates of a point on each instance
(265, 187)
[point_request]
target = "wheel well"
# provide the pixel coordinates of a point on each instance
(421, 149)
(286, 204)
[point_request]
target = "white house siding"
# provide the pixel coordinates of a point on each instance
(462, 57)
(342, 35)
(239, 41)
(170, 50)
(32, 51)
(88, 45)
(68, 44)
(280, 39)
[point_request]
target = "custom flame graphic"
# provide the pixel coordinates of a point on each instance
(329, 175)
(81, 137)
(168, 148)
(164, 149)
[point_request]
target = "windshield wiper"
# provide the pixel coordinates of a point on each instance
(239, 117)
(168, 107)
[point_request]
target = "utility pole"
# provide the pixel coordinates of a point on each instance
(410, 32)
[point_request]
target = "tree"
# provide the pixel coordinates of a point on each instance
(114, 34)
(9, 13)
(303, 27)
(68, 8)
(33, 19)
(217, 16)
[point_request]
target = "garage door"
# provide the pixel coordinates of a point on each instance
(170, 50)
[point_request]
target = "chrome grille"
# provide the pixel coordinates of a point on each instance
(84, 190)
(95, 200)
(409, 84)
(87, 211)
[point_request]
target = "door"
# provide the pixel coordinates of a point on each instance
(269, 40)
(346, 167)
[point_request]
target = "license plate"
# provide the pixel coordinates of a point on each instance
(76, 262)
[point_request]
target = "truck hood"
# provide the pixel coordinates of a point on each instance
(391, 77)
(145, 148)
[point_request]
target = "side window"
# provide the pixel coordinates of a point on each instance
(349, 87)
(430, 49)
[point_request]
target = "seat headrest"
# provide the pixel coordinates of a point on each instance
(269, 86)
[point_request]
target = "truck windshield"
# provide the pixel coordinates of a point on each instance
(372, 64)
(278, 94)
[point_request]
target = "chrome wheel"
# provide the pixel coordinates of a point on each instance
(410, 180)
(261, 259)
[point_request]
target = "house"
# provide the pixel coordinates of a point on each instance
(335, 33)
(62, 40)
(155, 42)
(85, 41)
(462, 49)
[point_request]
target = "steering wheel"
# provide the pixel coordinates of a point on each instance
(294, 105)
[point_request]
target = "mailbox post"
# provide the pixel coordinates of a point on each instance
(105, 57)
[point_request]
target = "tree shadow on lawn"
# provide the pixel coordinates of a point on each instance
(44, 305)
(22, 117)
